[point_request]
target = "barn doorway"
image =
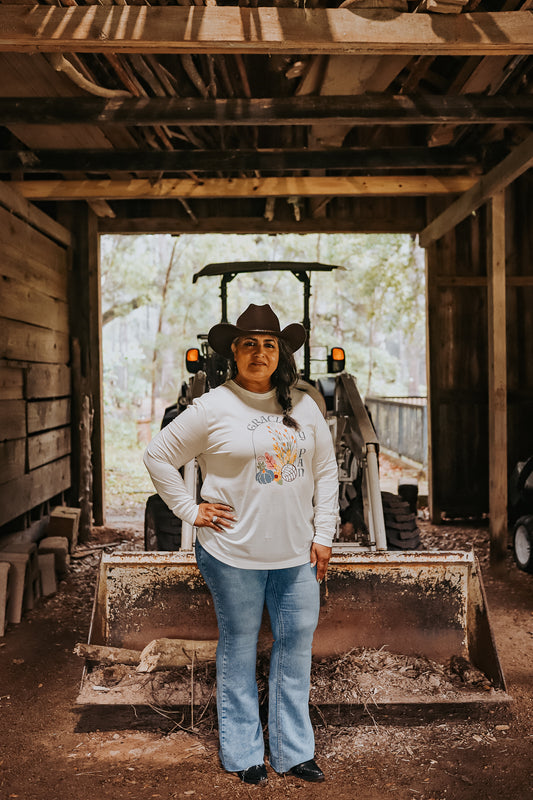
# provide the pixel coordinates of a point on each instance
(373, 306)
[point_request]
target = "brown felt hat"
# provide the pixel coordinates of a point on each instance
(256, 319)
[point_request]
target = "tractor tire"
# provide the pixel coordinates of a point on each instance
(523, 544)
(400, 523)
(162, 529)
(352, 527)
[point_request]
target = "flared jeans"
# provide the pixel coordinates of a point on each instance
(292, 599)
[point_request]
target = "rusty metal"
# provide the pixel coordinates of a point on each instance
(412, 603)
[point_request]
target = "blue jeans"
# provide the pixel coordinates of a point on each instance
(292, 599)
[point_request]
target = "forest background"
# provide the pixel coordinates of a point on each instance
(373, 306)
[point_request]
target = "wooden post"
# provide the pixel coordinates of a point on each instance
(85, 309)
(434, 510)
(497, 351)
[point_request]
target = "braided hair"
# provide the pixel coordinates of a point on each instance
(283, 379)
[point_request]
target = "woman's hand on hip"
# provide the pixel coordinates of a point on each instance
(320, 555)
(215, 515)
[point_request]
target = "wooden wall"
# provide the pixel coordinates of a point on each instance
(35, 380)
(519, 239)
(458, 369)
(458, 353)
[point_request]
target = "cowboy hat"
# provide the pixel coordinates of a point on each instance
(256, 319)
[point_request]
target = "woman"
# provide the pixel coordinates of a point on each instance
(264, 532)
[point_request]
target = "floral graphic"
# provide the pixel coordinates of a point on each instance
(278, 466)
(263, 474)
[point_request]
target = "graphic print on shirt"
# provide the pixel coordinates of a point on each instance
(281, 460)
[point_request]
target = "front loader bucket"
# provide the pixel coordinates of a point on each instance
(404, 605)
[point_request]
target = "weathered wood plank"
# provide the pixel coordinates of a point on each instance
(277, 160)
(364, 109)
(388, 185)
(46, 447)
(32, 258)
(42, 277)
(25, 304)
(22, 494)
(514, 165)
(12, 419)
(34, 244)
(497, 352)
(11, 383)
(135, 29)
(12, 459)
(45, 414)
(16, 204)
(47, 380)
(23, 342)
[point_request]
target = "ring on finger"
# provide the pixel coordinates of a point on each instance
(214, 519)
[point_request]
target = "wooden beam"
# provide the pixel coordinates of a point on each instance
(190, 29)
(387, 185)
(497, 352)
(516, 163)
(376, 224)
(367, 109)
(352, 158)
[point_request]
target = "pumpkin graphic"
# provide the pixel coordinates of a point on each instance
(264, 476)
(288, 472)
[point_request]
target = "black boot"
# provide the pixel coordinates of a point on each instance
(308, 771)
(256, 775)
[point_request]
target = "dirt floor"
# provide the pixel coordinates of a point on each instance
(51, 750)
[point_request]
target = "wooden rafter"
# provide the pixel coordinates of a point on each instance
(141, 29)
(35, 161)
(384, 186)
(368, 109)
(514, 165)
(252, 224)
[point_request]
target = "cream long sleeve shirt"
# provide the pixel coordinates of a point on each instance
(281, 483)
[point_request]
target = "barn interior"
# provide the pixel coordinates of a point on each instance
(372, 116)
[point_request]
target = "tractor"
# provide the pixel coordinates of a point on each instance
(383, 592)
(370, 520)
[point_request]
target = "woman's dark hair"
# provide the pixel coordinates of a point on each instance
(283, 379)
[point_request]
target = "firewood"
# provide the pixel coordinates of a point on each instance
(159, 654)
(107, 655)
(170, 653)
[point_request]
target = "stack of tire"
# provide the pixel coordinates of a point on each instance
(400, 523)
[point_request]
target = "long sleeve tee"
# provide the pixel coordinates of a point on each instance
(282, 483)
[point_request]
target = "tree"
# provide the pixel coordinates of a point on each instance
(373, 306)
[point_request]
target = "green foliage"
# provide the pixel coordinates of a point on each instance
(373, 306)
(127, 481)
